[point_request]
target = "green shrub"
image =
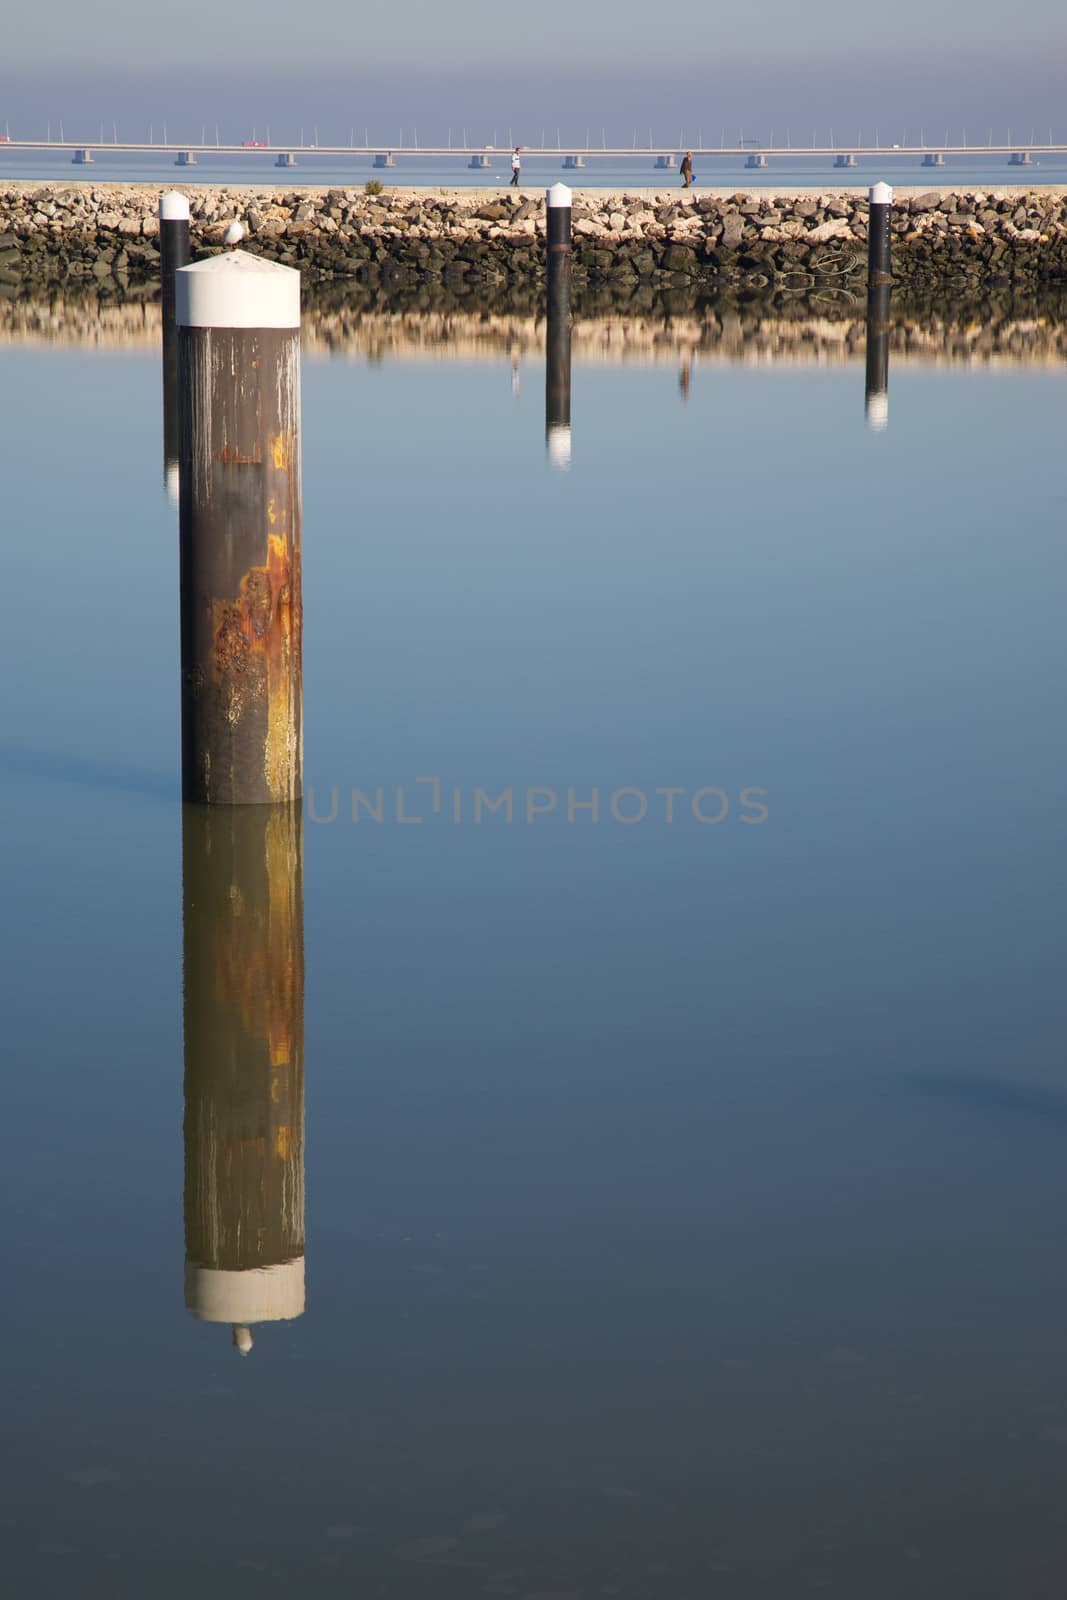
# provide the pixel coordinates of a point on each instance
(372, 186)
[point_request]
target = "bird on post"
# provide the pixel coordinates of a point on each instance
(234, 234)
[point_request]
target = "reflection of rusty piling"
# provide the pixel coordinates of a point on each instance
(558, 332)
(173, 254)
(239, 350)
(876, 392)
(244, 1064)
(558, 381)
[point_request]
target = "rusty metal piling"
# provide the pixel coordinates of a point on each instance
(173, 254)
(238, 322)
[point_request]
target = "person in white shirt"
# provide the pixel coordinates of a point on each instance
(516, 166)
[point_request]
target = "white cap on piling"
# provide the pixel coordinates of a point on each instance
(172, 478)
(259, 1294)
(881, 195)
(878, 413)
(237, 290)
(559, 446)
(173, 207)
(558, 195)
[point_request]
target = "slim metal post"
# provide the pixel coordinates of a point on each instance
(879, 269)
(558, 333)
(239, 448)
(173, 253)
(243, 949)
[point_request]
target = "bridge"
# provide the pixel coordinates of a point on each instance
(572, 158)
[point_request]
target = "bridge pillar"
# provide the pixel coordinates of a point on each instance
(185, 158)
(285, 159)
(570, 162)
(386, 160)
(82, 158)
(479, 162)
(756, 161)
(665, 163)
(845, 161)
(1021, 158)
(933, 159)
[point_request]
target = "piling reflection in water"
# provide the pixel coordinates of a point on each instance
(243, 907)
(173, 254)
(558, 383)
(876, 401)
(558, 333)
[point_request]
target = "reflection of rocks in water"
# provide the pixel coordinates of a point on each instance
(824, 326)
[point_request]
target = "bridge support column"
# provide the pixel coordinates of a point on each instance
(386, 160)
(285, 159)
(82, 158)
(572, 162)
(665, 163)
(756, 162)
(933, 159)
(185, 158)
(1021, 158)
(480, 163)
(844, 161)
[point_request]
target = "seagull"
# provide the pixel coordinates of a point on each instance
(234, 233)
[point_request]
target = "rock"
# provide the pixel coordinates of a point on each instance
(733, 228)
(835, 228)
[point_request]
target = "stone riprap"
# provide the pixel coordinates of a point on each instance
(467, 239)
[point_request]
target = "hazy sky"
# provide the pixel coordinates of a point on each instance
(620, 65)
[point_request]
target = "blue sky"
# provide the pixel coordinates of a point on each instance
(618, 66)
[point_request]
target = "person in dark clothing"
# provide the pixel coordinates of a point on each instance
(687, 169)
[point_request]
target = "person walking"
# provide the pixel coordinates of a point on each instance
(687, 169)
(516, 167)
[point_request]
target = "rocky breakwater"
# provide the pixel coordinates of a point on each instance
(467, 239)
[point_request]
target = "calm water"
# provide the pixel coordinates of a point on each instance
(681, 1204)
(636, 171)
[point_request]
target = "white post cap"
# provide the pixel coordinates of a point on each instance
(173, 207)
(881, 195)
(237, 290)
(878, 413)
(263, 1294)
(172, 478)
(558, 195)
(559, 446)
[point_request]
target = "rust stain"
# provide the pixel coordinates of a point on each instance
(230, 456)
(281, 450)
(259, 967)
(255, 658)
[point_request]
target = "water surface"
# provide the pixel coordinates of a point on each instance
(682, 1202)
